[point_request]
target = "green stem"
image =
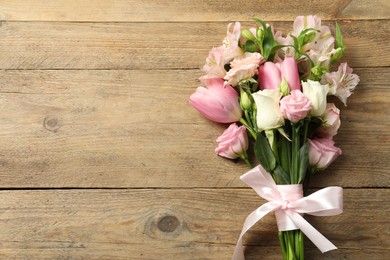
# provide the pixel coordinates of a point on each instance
(306, 129)
(282, 244)
(248, 119)
(242, 121)
(295, 153)
(246, 160)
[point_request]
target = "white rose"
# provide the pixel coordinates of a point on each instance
(316, 93)
(268, 112)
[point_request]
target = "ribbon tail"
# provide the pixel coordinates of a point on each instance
(313, 234)
(252, 218)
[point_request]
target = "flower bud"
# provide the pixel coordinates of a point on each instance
(259, 34)
(309, 37)
(245, 101)
(317, 72)
(284, 88)
(337, 55)
(248, 35)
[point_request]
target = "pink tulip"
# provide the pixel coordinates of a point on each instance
(322, 152)
(295, 106)
(271, 74)
(289, 71)
(233, 143)
(217, 102)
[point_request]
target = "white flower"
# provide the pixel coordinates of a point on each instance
(316, 93)
(268, 112)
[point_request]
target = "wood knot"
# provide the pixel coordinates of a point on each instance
(51, 123)
(168, 224)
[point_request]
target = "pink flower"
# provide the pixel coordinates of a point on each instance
(243, 67)
(271, 74)
(295, 106)
(217, 102)
(322, 152)
(233, 143)
(342, 82)
(320, 48)
(230, 46)
(322, 39)
(332, 122)
(289, 70)
(215, 65)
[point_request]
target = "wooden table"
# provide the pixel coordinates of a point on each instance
(101, 157)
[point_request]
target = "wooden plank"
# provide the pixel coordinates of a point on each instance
(187, 10)
(77, 128)
(173, 224)
(64, 45)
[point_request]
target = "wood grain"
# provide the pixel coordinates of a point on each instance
(173, 224)
(84, 128)
(187, 10)
(102, 158)
(65, 45)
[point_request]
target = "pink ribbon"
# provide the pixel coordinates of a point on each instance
(288, 203)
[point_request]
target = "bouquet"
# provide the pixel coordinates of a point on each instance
(273, 90)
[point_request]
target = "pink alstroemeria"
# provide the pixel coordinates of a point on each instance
(233, 143)
(322, 46)
(341, 82)
(322, 152)
(230, 43)
(215, 65)
(243, 67)
(217, 102)
(271, 74)
(322, 39)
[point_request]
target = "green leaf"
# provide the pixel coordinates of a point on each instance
(260, 22)
(268, 43)
(281, 175)
(339, 37)
(303, 161)
(264, 154)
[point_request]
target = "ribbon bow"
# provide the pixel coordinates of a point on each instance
(288, 203)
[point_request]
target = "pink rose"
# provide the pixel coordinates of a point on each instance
(322, 152)
(295, 106)
(243, 67)
(233, 143)
(217, 102)
(271, 74)
(332, 121)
